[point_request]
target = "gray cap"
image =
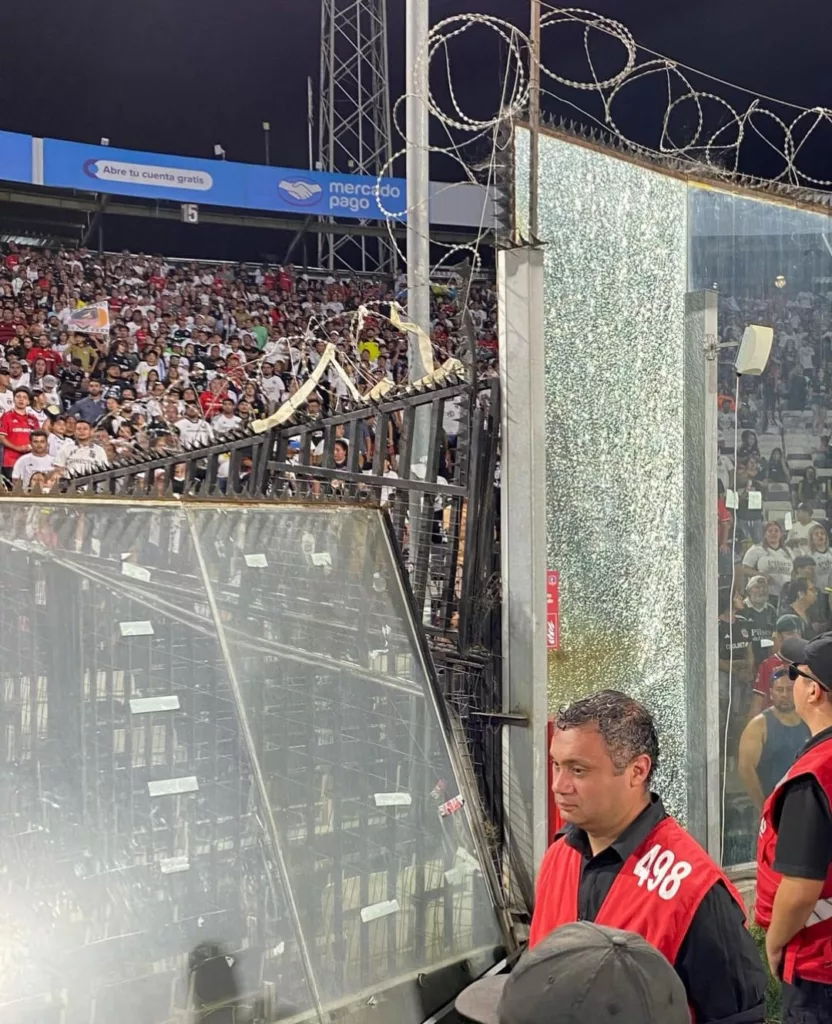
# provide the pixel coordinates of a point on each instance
(582, 973)
(789, 624)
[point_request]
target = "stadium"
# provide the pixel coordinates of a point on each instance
(328, 487)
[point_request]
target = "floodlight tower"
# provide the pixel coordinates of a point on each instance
(354, 126)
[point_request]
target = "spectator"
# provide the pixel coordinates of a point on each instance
(581, 972)
(771, 741)
(799, 596)
(6, 394)
(91, 408)
(810, 491)
(824, 457)
(38, 460)
(81, 454)
(798, 538)
(803, 568)
(57, 434)
(770, 559)
(18, 374)
(777, 471)
(193, 429)
(775, 665)
(212, 399)
(819, 551)
(736, 657)
(227, 420)
(760, 615)
(16, 428)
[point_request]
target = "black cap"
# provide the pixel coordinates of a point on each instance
(803, 562)
(580, 973)
(817, 654)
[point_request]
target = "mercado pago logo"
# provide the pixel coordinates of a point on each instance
(354, 196)
(148, 174)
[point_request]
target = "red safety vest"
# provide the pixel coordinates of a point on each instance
(809, 954)
(656, 893)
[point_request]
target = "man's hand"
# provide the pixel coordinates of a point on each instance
(774, 955)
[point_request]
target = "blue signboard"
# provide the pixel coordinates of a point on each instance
(15, 157)
(218, 182)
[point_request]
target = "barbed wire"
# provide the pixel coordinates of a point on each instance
(698, 125)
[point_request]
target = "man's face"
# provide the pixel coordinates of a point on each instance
(803, 689)
(758, 594)
(803, 516)
(21, 401)
(588, 789)
(228, 408)
(192, 412)
(95, 388)
(782, 694)
(39, 445)
(83, 431)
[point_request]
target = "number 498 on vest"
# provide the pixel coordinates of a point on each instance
(660, 870)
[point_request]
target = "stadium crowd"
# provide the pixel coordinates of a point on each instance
(194, 351)
(774, 509)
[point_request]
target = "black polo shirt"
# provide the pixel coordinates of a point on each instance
(718, 961)
(803, 819)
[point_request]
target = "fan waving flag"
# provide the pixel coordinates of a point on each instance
(93, 319)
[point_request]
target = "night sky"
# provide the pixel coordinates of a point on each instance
(181, 75)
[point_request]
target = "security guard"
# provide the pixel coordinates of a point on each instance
(621, 861)
(794, 852)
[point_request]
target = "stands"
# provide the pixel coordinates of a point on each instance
(197, 351)
(782, 453)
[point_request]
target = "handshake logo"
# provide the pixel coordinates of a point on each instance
(300, 191)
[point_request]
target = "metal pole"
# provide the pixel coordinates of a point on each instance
(418, 256)
(266, 134)
(310, 118)
(418, 181)
(534, 119)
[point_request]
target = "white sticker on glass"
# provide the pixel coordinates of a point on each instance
(393, 799)
(145, 705)
(138, 572)
(136, 628)
(173, 787)
(379, 910)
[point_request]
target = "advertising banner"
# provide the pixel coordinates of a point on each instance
(179, 179)
(15, 157)
(219, 182)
